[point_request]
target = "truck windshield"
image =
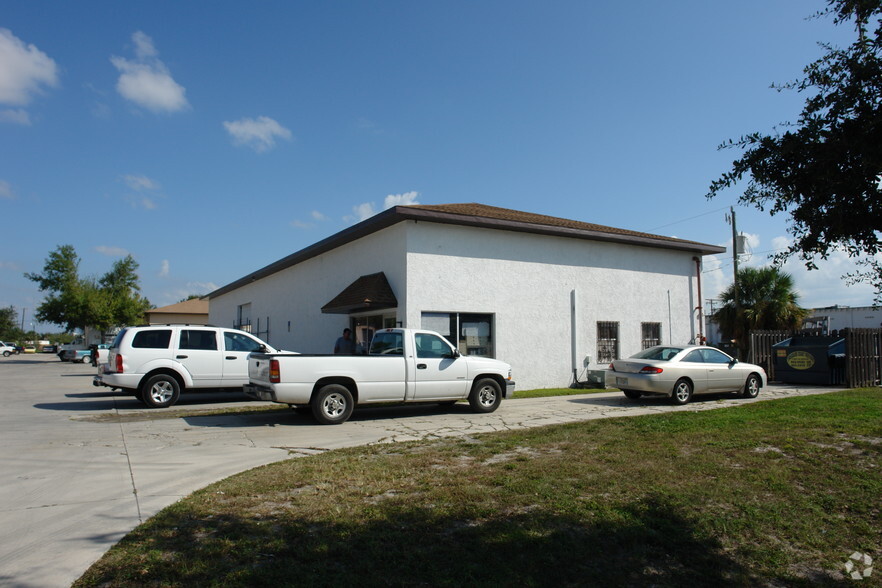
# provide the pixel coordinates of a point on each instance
(387, 344)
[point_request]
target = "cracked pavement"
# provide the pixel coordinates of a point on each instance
(76, 478)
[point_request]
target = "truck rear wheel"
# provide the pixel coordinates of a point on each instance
(332, 405)
(486, 395)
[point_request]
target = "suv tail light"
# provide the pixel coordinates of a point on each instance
(274, 375)
(119, 363)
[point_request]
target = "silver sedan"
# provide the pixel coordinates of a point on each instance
(678, 372)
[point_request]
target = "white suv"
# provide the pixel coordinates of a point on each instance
(7, 349)
(158, 362)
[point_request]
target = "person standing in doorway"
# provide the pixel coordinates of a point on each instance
(345, 345)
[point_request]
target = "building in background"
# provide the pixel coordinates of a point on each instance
(188, 312)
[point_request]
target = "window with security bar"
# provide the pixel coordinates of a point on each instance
(607, 342)
(651, 334)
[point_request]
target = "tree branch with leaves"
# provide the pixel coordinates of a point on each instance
(825, 170)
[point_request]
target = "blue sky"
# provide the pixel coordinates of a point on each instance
(210, 139)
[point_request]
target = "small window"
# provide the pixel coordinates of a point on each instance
(204, 340)
(158, 339)
(239, 342)
(694, 357)
(607, 342)
(651, 334)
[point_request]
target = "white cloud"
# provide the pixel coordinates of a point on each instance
(140, 183)
(17, 116)
(145, 188)
(10, 265)
(112, 251)
(318, 216)
(146, 80)
(24, 70)
(144, 48)
(298, 224)
(366, 210)
(816, 288)
(363, 211)
(400, 199)
(6, 191)
(260, 134)
(164, 269)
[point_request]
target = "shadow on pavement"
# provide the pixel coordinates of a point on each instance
(109, 400)
(303, 416)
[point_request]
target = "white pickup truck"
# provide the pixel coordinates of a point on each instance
(403, 365)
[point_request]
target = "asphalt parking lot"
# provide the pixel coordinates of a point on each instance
(82, 466)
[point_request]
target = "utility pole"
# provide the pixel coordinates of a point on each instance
(23, 311)
(735, 272)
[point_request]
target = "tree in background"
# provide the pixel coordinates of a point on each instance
(74, 302)
(60, 281)
(825, 170)
(766, 301)
(120, 286)
(9, 326)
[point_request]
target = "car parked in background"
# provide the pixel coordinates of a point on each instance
(85, 355)
(681, 371)
(8, 349)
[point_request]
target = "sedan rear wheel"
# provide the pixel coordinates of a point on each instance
(682, 392)
(751, 387)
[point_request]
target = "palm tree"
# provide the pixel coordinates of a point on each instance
(766, 301)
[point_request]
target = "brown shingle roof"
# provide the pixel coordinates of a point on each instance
(483, 211)
(192, 306)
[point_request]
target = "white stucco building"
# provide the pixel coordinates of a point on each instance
(552, 297)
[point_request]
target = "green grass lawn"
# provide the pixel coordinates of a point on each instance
(765, 494)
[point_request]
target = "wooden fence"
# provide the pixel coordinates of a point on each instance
(863, 353)
(863, 365)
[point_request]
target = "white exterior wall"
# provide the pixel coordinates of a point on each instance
(526, 281)
(297, 294)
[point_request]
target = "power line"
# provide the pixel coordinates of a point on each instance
(687, 219)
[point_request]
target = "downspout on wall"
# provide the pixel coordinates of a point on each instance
(700, 339)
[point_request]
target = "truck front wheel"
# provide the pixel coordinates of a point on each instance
(332, 405)
(486, 395)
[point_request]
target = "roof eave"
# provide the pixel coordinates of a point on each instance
(397, 214)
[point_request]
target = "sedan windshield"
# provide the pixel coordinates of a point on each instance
(659, 353)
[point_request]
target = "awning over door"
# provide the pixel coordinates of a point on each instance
(371, 292)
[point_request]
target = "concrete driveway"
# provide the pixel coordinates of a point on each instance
(82, 466)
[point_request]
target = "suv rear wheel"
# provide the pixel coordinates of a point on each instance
(160, 391)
